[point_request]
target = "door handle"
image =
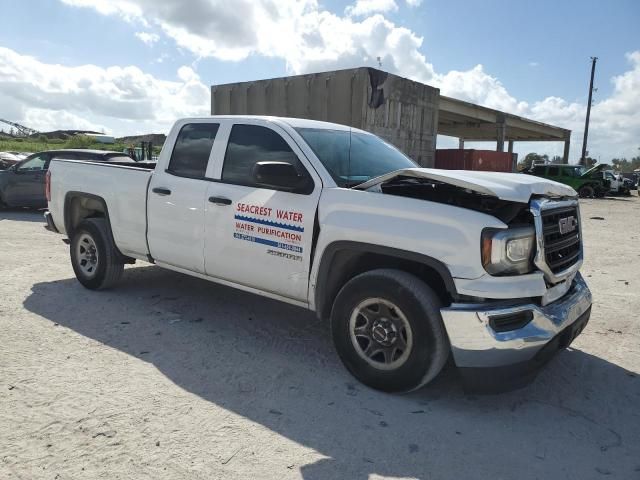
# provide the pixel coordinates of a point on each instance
(161, 191)
(220, 200)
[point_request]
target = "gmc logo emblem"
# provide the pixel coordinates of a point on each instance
(567, 225)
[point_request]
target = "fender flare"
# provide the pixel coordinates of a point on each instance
(322, 290)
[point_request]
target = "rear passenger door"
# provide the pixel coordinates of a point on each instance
(176, 199)
(259, 236)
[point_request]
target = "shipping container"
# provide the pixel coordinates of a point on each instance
(470, 159)
(401, 111)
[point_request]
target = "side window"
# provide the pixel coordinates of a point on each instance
(36, 164)
(191, 152)
(554, 171)
(538, 170)
(250, 144)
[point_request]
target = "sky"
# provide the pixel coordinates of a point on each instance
(134, 66)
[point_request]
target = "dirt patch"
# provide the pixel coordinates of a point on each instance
(169, 376)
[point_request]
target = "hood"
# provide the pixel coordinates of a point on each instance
(597, 168)
(514, 187)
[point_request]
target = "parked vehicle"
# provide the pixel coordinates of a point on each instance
(588, 183)
(7, 159)
(409, 264)
(22, 184)
(617, 184)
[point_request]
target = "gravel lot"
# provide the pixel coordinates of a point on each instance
(174, 377)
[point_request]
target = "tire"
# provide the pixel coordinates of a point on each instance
(405, 300)
(95, 259)
(586, 191)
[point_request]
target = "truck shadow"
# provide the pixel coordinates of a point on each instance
(274, 365)
(21, 215)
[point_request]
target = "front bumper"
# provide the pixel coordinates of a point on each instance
(476, 344)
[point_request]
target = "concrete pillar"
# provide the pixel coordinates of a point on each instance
(514, 158)
(461, 143)
(500, 133)
(565, 155)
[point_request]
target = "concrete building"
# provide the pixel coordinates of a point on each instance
(406, 113)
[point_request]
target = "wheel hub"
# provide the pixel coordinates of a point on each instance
(380, 333)
(384, 332)
(87, 255)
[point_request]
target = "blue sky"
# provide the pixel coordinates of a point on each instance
(529, 52)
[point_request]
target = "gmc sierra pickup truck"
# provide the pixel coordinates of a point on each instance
(410, 265)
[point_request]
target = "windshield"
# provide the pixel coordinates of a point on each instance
(354, 157)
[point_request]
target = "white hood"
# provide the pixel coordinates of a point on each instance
(515, 187)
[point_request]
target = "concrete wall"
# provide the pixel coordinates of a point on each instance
(403, 112)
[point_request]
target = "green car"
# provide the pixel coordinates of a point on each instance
(588, 183)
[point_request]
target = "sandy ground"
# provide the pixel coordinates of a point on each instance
(174, 377)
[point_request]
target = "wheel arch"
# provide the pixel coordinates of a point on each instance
(354, 258)
(81, 205)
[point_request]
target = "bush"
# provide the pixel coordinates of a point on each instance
(79, 141)
(56, 141)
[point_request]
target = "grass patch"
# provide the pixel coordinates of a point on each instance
(78, 141)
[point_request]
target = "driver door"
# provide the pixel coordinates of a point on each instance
(26, 186)
(255, 235)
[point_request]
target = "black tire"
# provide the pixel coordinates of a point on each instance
(586, 191)
(418, 304)
(109, 263)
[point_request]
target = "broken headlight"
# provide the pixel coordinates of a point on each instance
(508, 252)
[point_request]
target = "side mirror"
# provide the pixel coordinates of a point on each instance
(281, 176)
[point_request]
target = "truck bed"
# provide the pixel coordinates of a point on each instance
(122, 186)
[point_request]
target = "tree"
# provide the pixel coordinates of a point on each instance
(531, 159)
(624, 165)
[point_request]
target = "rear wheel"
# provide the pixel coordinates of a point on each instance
(388, 331)
(94, 256)
(586, 191)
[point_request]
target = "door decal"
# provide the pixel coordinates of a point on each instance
(263, 228)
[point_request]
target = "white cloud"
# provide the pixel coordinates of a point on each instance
(310, 38)
(147, 38)
(367, 7)
(124, 99)
(413, 3)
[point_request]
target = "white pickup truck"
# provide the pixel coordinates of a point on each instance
(410, 265)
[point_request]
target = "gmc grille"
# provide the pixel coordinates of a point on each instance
(562, 243)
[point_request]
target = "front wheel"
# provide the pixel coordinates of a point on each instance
(94, 256)
(388, 331)
(586, 191)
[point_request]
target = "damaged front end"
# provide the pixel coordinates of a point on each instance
(531, 301)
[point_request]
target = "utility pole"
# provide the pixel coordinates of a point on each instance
(583, 160)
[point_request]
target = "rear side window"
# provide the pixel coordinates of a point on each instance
(554, 171)
(35, 164)
(250, 144)
(191, 152)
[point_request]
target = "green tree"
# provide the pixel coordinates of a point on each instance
(530, 159)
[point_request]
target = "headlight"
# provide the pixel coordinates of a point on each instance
(508, 252)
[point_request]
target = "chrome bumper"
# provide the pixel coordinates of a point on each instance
(475, 343)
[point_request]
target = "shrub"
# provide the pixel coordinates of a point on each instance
(79, 141)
